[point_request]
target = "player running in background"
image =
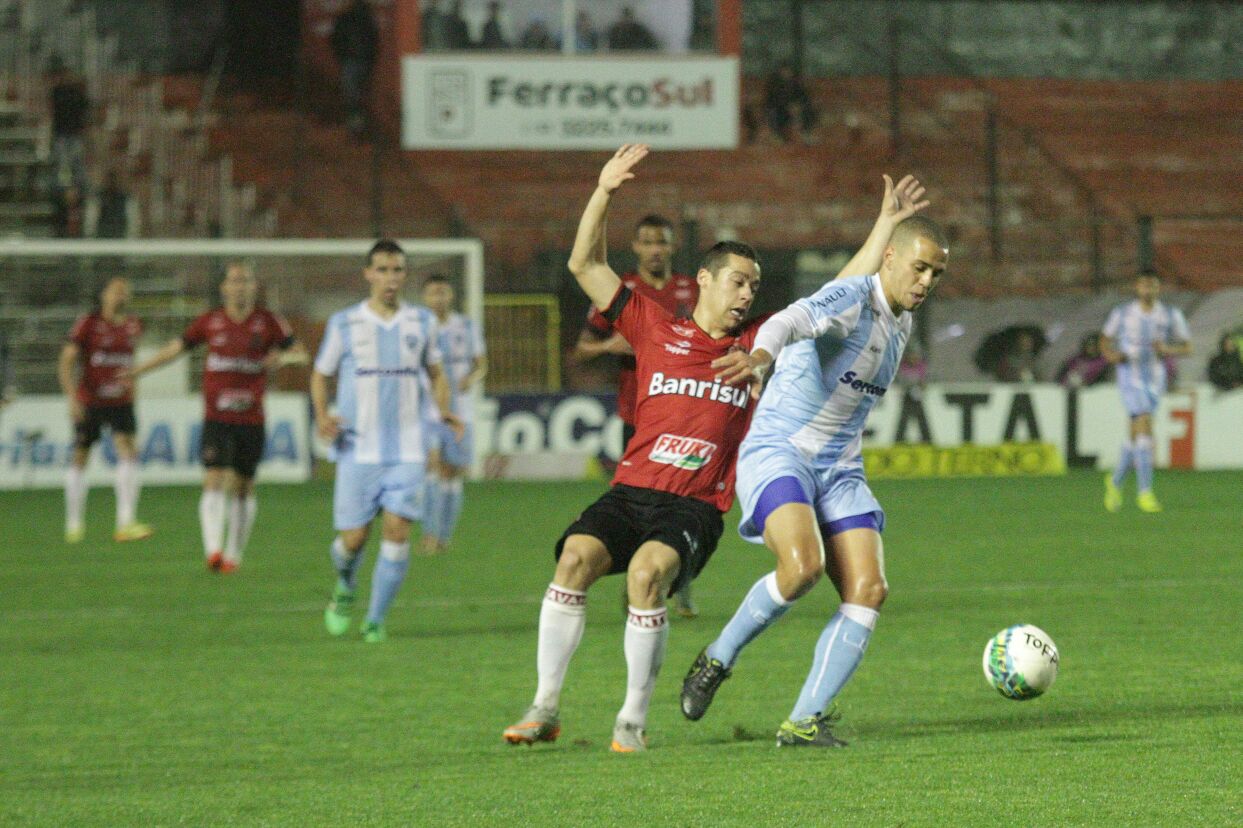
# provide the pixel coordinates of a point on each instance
(100, 350)
(800, 470)
(662, 519)
(449, 455)
(244, 342)
(653, 277)
(379, 351)
(1138, 336)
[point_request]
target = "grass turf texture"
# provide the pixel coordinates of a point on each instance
(140, 689)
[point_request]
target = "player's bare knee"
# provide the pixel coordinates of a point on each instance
(867, 592)
(800, 568)
(643, 584)
(583, 560)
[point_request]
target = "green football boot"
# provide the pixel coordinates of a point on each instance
(373, 633)
(337, 615)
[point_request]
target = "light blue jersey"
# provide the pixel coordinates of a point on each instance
(461, 343)
(847, 344)
(1142, 377)
(379, 365)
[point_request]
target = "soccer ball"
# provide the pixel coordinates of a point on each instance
(1020, 662)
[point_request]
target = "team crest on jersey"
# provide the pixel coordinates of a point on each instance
(683, 331)
(413, 341)
(688, 453)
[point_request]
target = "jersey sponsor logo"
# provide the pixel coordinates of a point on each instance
(739, 396)
(826, 302)
(849, 378)
(236, 365)
(688, 453)
(386, 372)
(235, 400)
(111, 359)
(674, 349)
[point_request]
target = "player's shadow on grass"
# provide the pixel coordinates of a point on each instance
(1044, 719)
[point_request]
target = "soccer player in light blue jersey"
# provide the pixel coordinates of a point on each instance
(379, 351)
(1138, 336)
(448, 455)
(800, 468)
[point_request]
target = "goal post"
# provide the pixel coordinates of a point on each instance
(45, 284)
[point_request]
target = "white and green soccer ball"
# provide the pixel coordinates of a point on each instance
(1020, 662)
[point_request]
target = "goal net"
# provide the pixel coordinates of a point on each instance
(45, 285)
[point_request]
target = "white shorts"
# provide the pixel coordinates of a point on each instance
(363, 489)
(836, 492)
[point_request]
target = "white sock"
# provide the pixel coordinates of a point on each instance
(562, 618)
(646, 634)
(127, 487)
(211, 521)
(242, 512)
(75, 497)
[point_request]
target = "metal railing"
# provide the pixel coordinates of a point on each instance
(1049, 177)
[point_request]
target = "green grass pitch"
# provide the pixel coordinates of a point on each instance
(136, 688)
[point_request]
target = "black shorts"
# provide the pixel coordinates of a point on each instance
(118, 418)
(626, 517)
(231, 446)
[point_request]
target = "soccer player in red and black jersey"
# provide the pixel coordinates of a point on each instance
(92, 367)
(653, 277)
(244, 342)
(661, 520)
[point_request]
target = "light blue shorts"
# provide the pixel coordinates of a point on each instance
(836, 492)
(363, 489)
(439, 438)
(1141, 400)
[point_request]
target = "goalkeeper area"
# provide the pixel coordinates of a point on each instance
(141, 689)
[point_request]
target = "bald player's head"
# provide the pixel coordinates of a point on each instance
(911, 229)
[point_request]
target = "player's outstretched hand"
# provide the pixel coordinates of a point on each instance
(903, 200)
(739, 367)
(617, 170)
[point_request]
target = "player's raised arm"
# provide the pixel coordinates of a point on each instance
(589, 259)
(900, 202)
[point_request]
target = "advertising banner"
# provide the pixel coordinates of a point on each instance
(557, 103)
(937, 430)
(36, 441)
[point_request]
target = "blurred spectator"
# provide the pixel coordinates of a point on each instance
(456, 35)
(537, 37)
(492, 37)
(1019, 363)
(114, 207)
(787, 103)
(71, 110)
(628, 34)
(1225, 369)
(433, 26)
(68, 213)
(913, 369)
(586, 38)
(355, 41)
(1087, 367)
